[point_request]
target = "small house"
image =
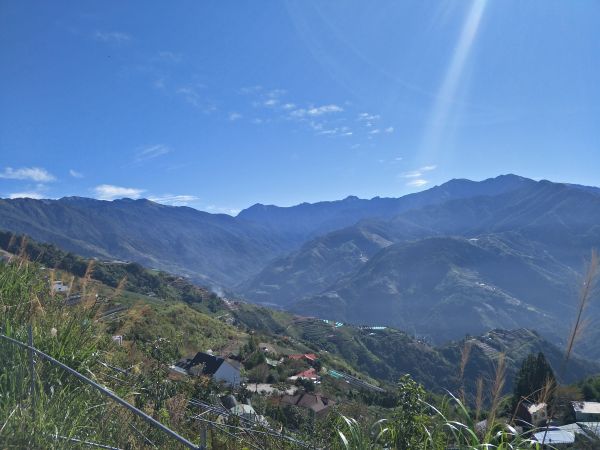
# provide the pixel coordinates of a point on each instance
(58, 286)
(532, 414)
(314, 402)
(272, 362)
(310, 357)
(216, 367)
(248, 413)
(538, 413)
(554, 436)
(586, 411)
(310, 374)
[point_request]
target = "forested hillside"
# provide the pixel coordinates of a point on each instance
(462, 257)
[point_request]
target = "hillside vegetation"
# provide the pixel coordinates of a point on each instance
(460, 258)
(157, 330)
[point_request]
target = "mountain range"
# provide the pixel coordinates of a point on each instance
(462, 257)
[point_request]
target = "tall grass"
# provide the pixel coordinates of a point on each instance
(586, 293)
(448, 426)
(452, 425)
(62, 408)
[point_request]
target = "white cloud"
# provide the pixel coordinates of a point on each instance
(190, 95)
(159, 83)
(75, 174)
(234, 116)
(398, 158)
(34, 195)
(251, 89)
(338, 131)
(288, 106)
(116, 37)
(271, 102)
(375, 131)
(417, 173)
(151, 152)
(417, 183)
(412, 174)
(222, 210)
(389, 130)
(175, 200)
(366, 117)
(325, 109)
(275, 93)
(317, 111)
(110, 192)
(27, 173)
(169, 56)
(298, 112)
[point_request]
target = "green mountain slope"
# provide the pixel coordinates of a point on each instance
(560, 221)
(152, 304)
(212, 248)
(209, 247)
(447, 287)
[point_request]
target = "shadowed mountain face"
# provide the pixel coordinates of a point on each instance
(463, 266)
(447, 287)
(208, 247)
(459, 258)
(211, 248)
(313, 219)
(560, 221)
(324, 259)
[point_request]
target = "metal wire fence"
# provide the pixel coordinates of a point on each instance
(42, 389)
(94, 416)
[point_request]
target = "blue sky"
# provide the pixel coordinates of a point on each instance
(219, 105)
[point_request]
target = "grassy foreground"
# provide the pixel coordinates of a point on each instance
(61, 412)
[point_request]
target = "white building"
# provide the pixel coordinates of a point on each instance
(586, 411)
(212, 366)
(58, 286)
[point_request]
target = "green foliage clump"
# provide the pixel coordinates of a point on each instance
(533, 379)
(130, 276)
(49, 407)
(590, 389)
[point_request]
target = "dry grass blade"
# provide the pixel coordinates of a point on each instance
(479, 399)
(23, 248)
(585, 295)
(11, 242)
(547, 391)
(87, 277)
(497, 387)
(464, 359)
(119, 288)
(52, 280)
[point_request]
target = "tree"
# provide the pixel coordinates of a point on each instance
(534, 381)
(409, 416)
(258, 374)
